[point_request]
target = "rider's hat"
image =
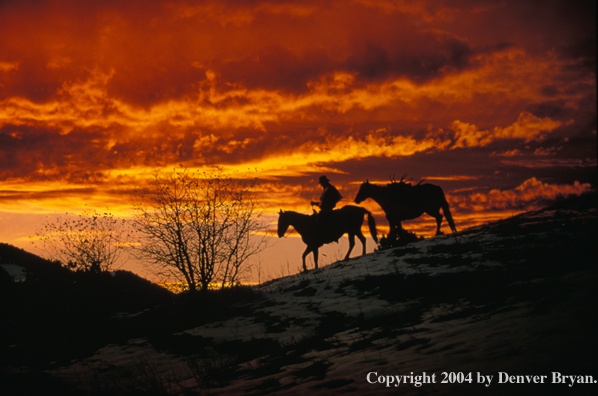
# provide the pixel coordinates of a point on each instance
(323, 179)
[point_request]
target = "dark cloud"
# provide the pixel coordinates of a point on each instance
(34, 81)
(437, 55)
(278, 68)
(155, 55)
(583, 53)
(148, 84)
(42, 153)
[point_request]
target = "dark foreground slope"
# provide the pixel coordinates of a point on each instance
(511, 300)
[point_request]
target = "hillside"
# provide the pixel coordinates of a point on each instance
(517, 296)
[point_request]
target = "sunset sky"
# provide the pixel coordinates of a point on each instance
(495, 101)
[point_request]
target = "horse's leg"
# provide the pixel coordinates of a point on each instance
(396, 230)
(400, 229)
(316, 257)
(438, 222)
(308, 250)
(392, 232)
(438, 216)
(351, 245)
(362, 240)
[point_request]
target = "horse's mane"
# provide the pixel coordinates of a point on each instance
(298, 214)
(295, 214)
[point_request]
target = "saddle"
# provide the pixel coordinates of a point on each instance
(325, 226)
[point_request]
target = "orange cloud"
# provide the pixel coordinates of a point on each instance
(531, 194)
(310, 156)
(8, 66)
(527, 127)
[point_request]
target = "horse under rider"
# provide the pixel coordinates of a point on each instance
(329, 198)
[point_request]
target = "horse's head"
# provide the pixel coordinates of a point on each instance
(364, 192)
(283, 223)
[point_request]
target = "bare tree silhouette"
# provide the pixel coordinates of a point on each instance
(198, 227)
(93, 241)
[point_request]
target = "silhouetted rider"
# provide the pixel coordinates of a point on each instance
(330, 196)
(323, 220)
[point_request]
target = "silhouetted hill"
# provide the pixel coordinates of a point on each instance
(34, 265)
(114, 287)
(57, 313)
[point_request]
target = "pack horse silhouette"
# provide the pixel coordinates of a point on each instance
(402, 201)
(323, 228)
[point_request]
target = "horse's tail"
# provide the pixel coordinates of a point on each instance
(372, 225)
(447, 214)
